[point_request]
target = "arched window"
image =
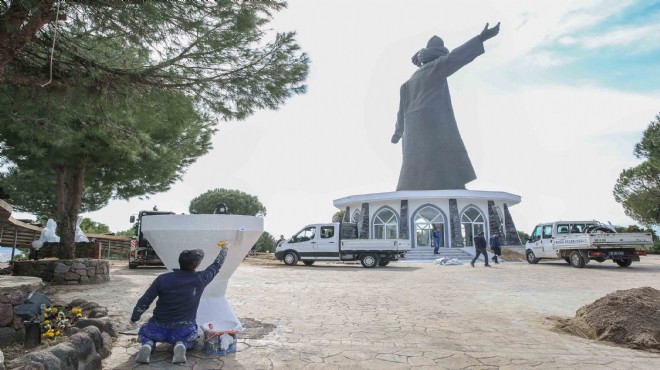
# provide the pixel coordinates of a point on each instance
(385, 225)
(472, 223)
(426, 220)
(357, 216)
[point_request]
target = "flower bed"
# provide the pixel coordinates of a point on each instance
(57, 319)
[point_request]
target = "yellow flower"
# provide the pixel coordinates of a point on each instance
(46, 322)
(76, 310)
(57, 333)
(53, 310)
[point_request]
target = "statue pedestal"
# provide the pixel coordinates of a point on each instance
(413, 215)
(169, 235)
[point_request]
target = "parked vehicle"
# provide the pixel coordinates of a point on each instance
(339, 242)
(142, 254)
(579, 242)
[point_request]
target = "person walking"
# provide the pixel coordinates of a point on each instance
(495, 246)
(436, 240)
(480, 247)
(178, 293)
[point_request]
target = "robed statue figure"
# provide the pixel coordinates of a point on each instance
(434, 156)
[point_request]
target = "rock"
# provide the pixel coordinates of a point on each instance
(6, 336)
(93, 363)
(84, 279)
(46, 276)
(45, 358)
(61, 268)
(91, 271)
(71, 276)
(106, 350)
(17, 298)
(98, 279)
(98, 312)
(66, 354)
(58, 278)
(6, 314)
(78, 302)
(103, 324)
(72, 331)
(33, 366)
(88, 306)
(79, 266)
(83, 343)
(95, 335)
(17, 323)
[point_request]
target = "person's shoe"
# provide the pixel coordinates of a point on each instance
(472, 264)
(179, 356)
(143, 354)
(487, 266)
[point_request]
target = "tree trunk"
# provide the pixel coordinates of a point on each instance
(19, 26)
(70, 185)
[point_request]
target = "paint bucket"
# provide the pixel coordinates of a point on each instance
(220, 337)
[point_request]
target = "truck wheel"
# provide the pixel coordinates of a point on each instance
(576, 259)
(624, 263)
(531, 258)
(369, 260)
(383, 262)
(290, 258)
(308, 263)
(132, 265)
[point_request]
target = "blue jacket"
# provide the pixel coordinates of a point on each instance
(178, 295)
(495, 241)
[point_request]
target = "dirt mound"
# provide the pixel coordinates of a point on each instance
(627, 317)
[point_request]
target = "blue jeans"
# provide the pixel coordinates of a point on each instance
(152, 334)
(437, 245)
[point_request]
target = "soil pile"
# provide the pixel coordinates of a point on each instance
(627, 317)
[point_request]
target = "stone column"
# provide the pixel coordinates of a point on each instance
(511, 237)
(455, 225)
(403, 222)
(494, 223)
(363, 226)
(347, 214)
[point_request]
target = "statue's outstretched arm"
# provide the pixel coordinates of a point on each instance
(488, 33)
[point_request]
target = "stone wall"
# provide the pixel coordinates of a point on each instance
(65, 272)
(83, 250)
(12, 295)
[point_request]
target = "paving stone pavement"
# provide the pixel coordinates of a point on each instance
(406, 315)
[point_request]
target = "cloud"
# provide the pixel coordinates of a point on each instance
(639, 37)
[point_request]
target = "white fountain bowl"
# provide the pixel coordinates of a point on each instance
(169, 235)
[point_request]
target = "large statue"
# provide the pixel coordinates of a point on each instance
(434, 156)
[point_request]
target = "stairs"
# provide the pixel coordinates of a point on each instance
(426, 254)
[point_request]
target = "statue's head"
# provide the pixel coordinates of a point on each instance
(435, 42)
(434, 49)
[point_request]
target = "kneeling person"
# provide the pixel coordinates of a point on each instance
(174, 317)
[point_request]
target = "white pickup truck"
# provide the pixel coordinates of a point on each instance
(578, 242)
(338, 242)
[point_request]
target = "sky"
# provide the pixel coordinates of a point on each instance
(550, 112)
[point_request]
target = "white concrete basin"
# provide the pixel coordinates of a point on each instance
(171, 234)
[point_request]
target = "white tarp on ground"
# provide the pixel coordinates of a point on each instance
(444, 261)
